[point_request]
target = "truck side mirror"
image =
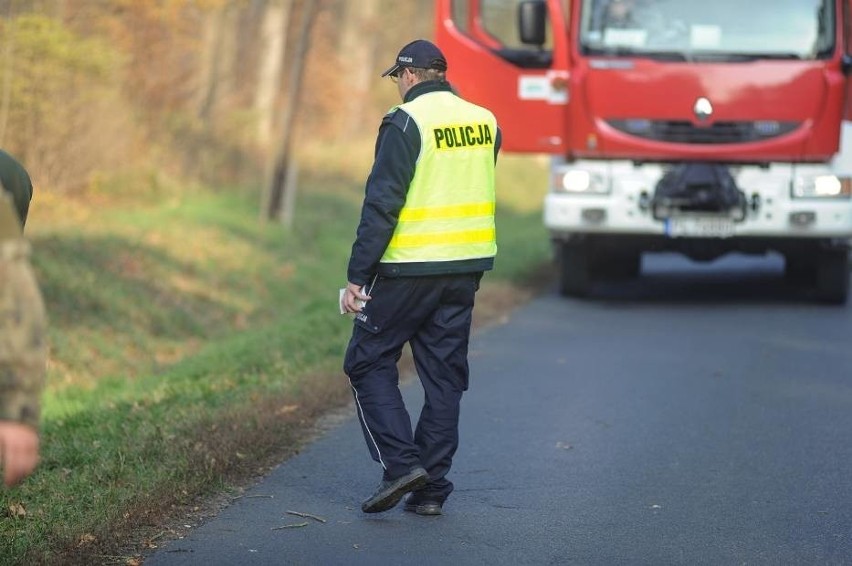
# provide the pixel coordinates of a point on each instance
(532, 22)
(846, 64)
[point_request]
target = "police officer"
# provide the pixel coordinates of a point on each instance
(425, 237)
(23, 349)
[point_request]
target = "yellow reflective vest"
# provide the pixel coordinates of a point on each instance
(449, 209)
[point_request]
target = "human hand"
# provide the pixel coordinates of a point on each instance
(18, 451)
(354, 298)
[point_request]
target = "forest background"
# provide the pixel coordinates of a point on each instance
(198, 169)
(98, 91)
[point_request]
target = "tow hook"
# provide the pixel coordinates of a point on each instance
(699, 188)
(754, 204)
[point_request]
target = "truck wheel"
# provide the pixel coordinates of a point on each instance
(621, 266)
(575, 274)
(832, 281)
(800, 269)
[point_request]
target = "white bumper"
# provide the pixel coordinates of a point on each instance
(772, 212)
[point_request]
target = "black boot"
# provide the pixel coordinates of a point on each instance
(390, 492)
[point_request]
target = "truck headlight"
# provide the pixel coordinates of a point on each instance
(822, 186)
(580, 181)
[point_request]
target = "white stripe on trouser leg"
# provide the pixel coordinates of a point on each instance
(366, 426)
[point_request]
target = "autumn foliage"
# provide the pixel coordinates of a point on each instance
(107, 92)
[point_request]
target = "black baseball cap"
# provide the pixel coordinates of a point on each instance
(421, 54)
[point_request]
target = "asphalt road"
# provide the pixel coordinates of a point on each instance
(701, 415)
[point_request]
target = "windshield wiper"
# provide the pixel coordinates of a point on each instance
(780, 56)
(667, 55)
(735, 57)
(630, 52)
(699, 56)
(705, 57)
(611, 51)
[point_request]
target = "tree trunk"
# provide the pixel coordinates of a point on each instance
(276, 187)
(272, 55)
(6, 87)
(213, 63)
(210, 85)
(358, 53)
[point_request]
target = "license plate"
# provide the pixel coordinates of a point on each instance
(699, 227)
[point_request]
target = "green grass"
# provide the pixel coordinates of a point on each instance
(190, 345)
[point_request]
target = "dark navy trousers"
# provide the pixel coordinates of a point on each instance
(433, 315)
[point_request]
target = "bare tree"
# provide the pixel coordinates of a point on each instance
(275, 194)
(271, 64)
(212, 62)
(358, 52)
(6, 85)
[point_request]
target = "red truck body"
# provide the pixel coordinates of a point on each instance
(810, 94)
(689, 126)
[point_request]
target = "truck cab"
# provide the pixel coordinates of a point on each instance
(673, 125)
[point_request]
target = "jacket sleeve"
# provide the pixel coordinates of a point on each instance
(397, 150)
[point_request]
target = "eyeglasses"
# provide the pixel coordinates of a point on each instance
(396, 74)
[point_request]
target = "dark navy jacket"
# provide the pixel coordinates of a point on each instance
(397, 149)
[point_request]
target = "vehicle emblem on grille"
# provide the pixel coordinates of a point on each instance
(703, 109)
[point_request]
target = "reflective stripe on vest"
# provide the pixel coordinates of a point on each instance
(449, 209)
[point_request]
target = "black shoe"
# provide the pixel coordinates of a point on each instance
(391, 491)
(422, 505)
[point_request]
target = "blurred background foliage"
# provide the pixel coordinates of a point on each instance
(101, 93)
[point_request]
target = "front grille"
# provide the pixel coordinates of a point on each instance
(675, 131)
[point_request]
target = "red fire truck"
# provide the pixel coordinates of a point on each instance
(700, 127)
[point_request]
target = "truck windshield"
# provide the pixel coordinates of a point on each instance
(712, 30)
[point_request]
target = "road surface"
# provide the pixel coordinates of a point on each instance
(701, 415)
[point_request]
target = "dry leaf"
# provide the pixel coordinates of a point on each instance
(17, 510)
(286, 409)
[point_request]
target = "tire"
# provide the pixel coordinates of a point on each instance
(801, 268)
(832, 276)
(619, 265)
(575, 273)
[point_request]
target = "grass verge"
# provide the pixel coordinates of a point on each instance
(193, 347)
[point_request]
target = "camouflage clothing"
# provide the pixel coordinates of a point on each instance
(23, 342)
